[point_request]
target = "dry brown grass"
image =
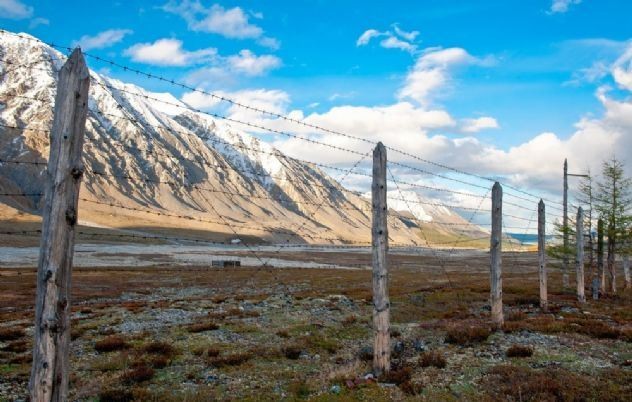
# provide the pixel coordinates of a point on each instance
(202, 327)
(10, 334)
(140, 373)
(111, 344)
(517, 383)
(432, 359)
(467, 333)
(234, 359)
(519, 351)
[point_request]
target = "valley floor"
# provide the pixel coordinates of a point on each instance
(195, 333)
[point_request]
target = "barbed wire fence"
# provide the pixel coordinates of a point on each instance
(468, 193)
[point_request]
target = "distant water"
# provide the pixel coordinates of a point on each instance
(525, 238)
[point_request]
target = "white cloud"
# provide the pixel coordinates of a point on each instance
(35, 22)
(622, 69)
(409, 36)
(478, 124)
(391, 40)
(250, 64)
(562, 6)
(15, 10)
(169, 52)
(228, 22)
(366, 37)
(394, 43)
(274, 101)
(102, 39)
(269, 42)
(431, 71)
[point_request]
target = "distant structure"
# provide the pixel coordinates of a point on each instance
(226, 263)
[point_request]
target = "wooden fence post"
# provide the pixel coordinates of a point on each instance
(600, 271)
(379, 235)
(496, 284)
(542, 254)
(579, 260)
(565, 281)
(626, 270)
(50, 370)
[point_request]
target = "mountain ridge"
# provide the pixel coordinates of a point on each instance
(142, 153)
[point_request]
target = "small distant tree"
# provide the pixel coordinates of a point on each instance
(586, 200)
(613, 201)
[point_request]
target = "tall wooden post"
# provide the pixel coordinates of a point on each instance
(600, 271)
(565, 281)
(379, 235)
(50, 370)
(542, 255)
(579, 260)
(496, 284)
(626, 270)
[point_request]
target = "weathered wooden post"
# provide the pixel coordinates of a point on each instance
(542, 254)
(626, 270)
(496, 284)
(379, 236)
(600, 271)
(579, 260)
(565, 281)
(50, 370)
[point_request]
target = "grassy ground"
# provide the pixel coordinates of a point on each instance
(199, 334)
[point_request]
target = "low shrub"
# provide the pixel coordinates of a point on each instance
(519, 351)
(235, 359)
(20, 346)
(467, 334)
(11, 334)
(160, 348)
(432, 359)
(137, 374)
(292, 352)
(202, 327)
(110, 344)
(212, 352)
(116, 395)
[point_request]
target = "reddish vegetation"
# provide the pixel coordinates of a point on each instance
(111, 343)
(138, 374)
(235, 359)
(519, 351)
(202, 327)
(519, 383)
(10, 334)
(464, 334)
(432, 359)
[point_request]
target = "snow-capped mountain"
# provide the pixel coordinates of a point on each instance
(149, 152)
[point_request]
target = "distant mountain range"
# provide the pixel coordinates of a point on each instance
(194, 172)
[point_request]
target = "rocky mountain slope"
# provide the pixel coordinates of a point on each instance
(149, 152)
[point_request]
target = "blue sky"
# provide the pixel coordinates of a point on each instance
(491, 75)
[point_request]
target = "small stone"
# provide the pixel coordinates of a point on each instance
(419, 345)
(335, 389)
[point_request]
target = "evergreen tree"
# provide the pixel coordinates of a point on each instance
(613, 201)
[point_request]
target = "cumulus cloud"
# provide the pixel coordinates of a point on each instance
(481, 123)
(168, 52)
(431, 71)
(102, 39)
(229, 22)
(399, 39)
(15, 10)
(562, 6)
(250, 64)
